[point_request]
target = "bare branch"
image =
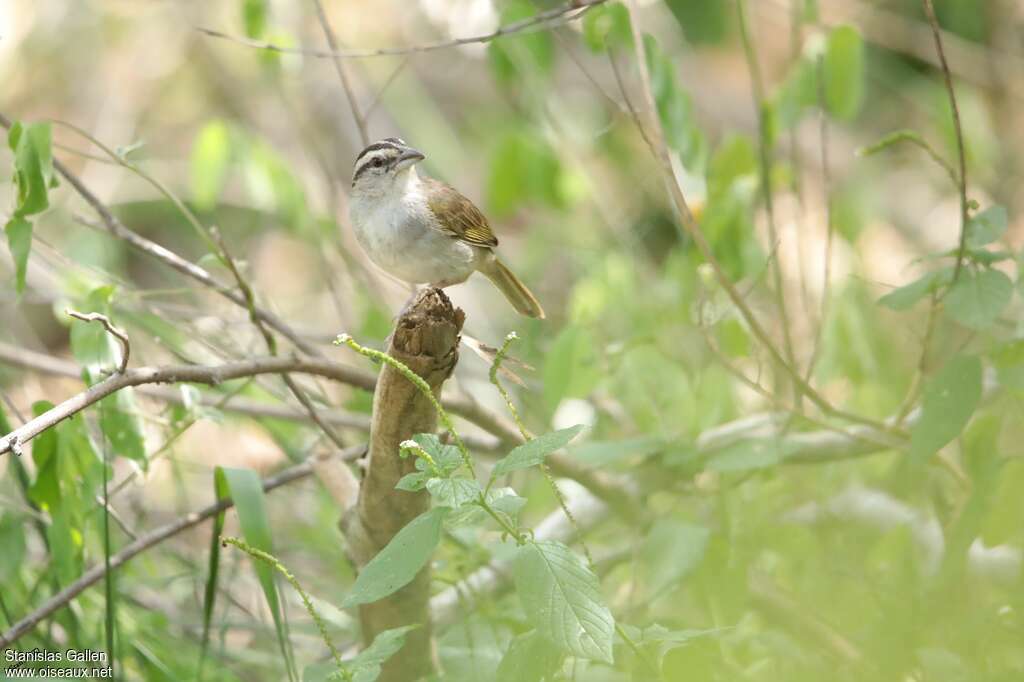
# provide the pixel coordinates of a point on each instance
(929, 10)
(332, 42)
(199, 374)
(540, 21)
(119, 334)
(144, 542)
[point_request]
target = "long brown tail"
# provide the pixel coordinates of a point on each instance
(515, 291)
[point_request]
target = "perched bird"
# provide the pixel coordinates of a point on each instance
(421, 230)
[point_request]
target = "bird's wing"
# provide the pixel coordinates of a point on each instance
(457, 215)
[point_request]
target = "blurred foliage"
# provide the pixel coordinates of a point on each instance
(766, 542)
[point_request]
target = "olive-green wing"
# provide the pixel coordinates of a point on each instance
(458, 216)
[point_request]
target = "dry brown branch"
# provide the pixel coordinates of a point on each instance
(119, 334)
(426, 340)
(199, 374)
(542, 20)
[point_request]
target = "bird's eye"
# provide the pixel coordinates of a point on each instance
(377, 163)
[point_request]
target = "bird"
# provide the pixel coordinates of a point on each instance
(423, 231)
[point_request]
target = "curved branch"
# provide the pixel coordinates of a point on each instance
(541, 20)
(119, 334)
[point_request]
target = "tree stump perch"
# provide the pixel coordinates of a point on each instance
(426, 339)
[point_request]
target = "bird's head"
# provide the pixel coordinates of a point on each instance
(383, 164)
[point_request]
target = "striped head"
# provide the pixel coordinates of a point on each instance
(382, 163)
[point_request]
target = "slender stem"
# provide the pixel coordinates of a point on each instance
(933, 20)
(346, 85)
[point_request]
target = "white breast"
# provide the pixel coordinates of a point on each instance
(396, 231)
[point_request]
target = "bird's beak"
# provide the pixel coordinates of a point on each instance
(407, 158)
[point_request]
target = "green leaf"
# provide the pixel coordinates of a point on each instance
(1006, 511)
(702, 21)
(398, 563)
(33, 166)
(366, 666)
(907, 295)
(571, 367)
(977, 298)
(517, 56)
(562, 599)
(674, 107)
(12, 539)
(671, 551)
(211, 157)
(453, 492)
(1009, 363)
(221, 492)
(533, 452)
(19, 241)
(530, 658)
(607, 27)
(986, 227)
(446, 456)
(524, 170)
(119, 422)
(950, 399)
(413, 482)
(254, 17)
(844, 72)
(246, 490)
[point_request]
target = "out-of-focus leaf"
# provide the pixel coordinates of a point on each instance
(607, 27)
(19, 241)
(1006, 510)
(670, 552)
(986, 227)
(246, 491)
(950, 399)
(399, 562)
(674, 107)
(366, 666)
(254, 17)
(514, 57)
(1009, 363)
(120, 424)
(12, 539)
(33, 166)
(977, 298)
(524, 169)
(562, 599)
(273, 187)
(844, 72)
(533, 452)
(907, 295)
(530, 658)
(604, 453)
(571, 366)
(702, 21)
(211, 156)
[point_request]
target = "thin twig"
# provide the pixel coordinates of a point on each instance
(542, 20)
(117, 333)
(346, 85)
(929, 10)
(826, 182)
(764, 155)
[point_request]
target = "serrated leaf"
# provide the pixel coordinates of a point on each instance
(398, 563)
(453, 492)
(19, 241)
(447, 457)
(950, 399)
(366, 666)
(844, 72)
(977, 298)
(530, 658)
(533, 452)
(907, 295)
(211, 156)
(562, 599)
(986, 227)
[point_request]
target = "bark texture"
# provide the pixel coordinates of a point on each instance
(426, 339)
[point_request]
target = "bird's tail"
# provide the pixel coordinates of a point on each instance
(515, 291)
